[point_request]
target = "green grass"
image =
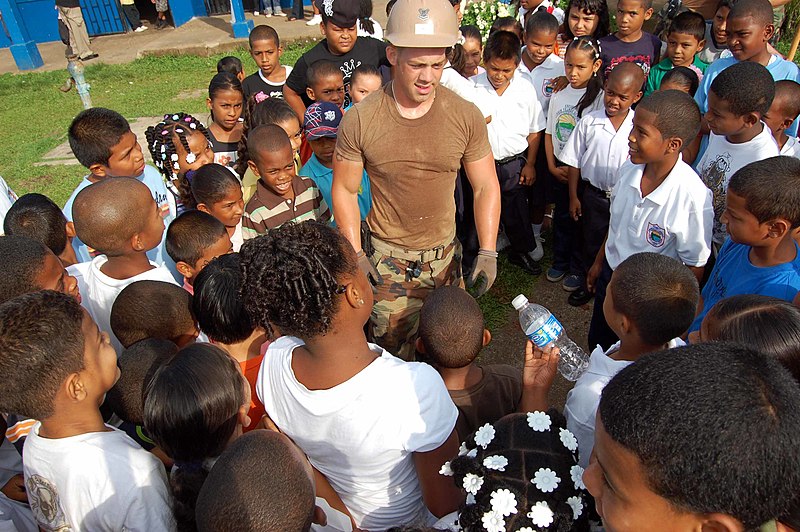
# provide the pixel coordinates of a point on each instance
(35, 115)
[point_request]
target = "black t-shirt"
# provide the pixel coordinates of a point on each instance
(68, 3)
(254, 83)
(645, 52)
(366, 51)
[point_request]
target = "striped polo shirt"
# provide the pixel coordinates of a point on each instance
(267, 210)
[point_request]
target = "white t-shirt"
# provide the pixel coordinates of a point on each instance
(722, 159)
(791, 148)
(362, 433)
(7, 198)
(377, 31)
(514, 114)
(543, 77)
(597, 149)
(548, 5)
(237, 240)
(562, 115)
(99, 291)
(95, 481)
(673, 220)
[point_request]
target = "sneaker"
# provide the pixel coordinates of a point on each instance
(524, 261)
(315, 20)
(140, 29)
(280, 14)
(502, 242)
(579, 297)
(572, 282)
(554, 275)
(537, 253)
(268, 15)
(256, 13)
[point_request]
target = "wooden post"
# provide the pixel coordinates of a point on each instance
(795, 43)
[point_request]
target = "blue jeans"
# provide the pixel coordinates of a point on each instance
(270, 6)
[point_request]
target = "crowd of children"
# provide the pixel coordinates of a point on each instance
(185, 345)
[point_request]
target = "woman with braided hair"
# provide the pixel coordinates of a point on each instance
(179, 145)
(378, 428)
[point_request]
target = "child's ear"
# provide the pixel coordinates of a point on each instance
(184, 269)
(596, 66)
(786, 124)
(208, 103)
(310, 94)
(244, 419)
(99, 170)
(487, 337)
(419, 345)
(202, 207)
(74, 387)
(648, 13)
(778, 228)
(674, 144)
(769, 31)
(354, 297)
(701, 44)
(719, 522)
(637, 97)
(752, 119)
(70, 228)
(252, 165)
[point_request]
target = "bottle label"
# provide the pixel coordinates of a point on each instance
(547, 333)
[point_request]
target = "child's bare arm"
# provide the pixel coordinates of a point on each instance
(538, 373)
(440, 493)
(295, 101)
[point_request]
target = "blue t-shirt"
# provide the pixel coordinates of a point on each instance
(323, 177)
(155, 182)
(734, 274)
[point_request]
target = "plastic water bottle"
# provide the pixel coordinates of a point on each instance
(544, 329)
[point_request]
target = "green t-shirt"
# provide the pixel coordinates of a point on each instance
(658, 72)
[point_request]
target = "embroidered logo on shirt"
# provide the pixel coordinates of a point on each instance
(655, 235)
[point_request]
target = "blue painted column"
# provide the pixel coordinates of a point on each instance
(241, 26)
(23, 49)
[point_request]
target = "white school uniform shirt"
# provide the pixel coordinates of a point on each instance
(548, 5)
(584, 398)
(562, 115)
(597, 149)
(237, 239)
(458, 83)
(514, 114)
(791, 148)
(722, 159)
(543, 76)
(95, 481)
(362, 433)
(99, 291)
(673, 220)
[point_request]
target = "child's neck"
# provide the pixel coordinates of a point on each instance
(248, 348)
(226, 135)
(580, 86)
(781, 138)
(126, 266)
(326, 164)
(656, 172)
(231, 230)
(632, 348)
(633, 37)
(745, 135)
(73, 420)
(528, 62)
(618, 120)
(785, 250)
(461, 378)
(763, 58)
(278, 75)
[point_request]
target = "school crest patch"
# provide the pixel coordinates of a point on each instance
(656, 235)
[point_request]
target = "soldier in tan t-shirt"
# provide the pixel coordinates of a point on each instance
(411, 137)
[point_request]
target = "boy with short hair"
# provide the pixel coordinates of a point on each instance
(102, 141)
(686, 36)
(659, 204)
(153, 309)
(629, 42)
(341, 46)
(130, 225)
(365, 80)
(650, 302)
(233, 65)
(266, 51)
(193, 239)
(660, 423)
(321, 126)
(281, 195)
(716, 40)
(738, 136)
(30, 266)
(325, 83)
(762, 214)
(783, 111)
(80, 473)
(36, 216)
(517, 120)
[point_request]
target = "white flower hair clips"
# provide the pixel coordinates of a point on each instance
(446, 470)
(546, 480)
(497, 462)
(539, 421)
(190, 158)
(503, 502)
(541, 515)
(484, 435)
(472, 483)
(576, 473)
(568, 439)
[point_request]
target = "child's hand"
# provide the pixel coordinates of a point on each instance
(559, 84)
(15, 489)
(575, 208)
(540, 366)
(592, 275)
(528, 175)
(562, 174)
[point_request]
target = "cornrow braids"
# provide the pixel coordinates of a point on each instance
(161, 143)
(590, 45)
(291, 278)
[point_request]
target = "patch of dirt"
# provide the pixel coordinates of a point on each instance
(191, 94)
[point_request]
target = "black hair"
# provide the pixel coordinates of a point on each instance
(161, 139)
(526, 452)
(506, 24)
(151, 309)
(689, 23)
(770, 188)
(269, 111)
(320, 70)
(469, 31)
(456, 54)
(658, 294)
(590, 46)
(258, 484)
(741, 428)
(41, 344)
(262, 32)
(759, 10)
(94, 132)
(37, 217)
(224, 81)
(451, 327)
(292, 275)
(683, 77)
(230, 64)
(191, 234)
(676, 114)
(789, 93)
(365, 69)
(266, 139)
(365, 16)
(137, 364)
(541, 20)
(592, 7)
(21, 261)
(211, 184)
(191, 409)
(389, 6)
(218, 303)
(108, 213)
(502, 45)
(767, 324)
(760, 88)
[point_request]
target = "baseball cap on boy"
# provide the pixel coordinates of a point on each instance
(321, 120)
(341, 13)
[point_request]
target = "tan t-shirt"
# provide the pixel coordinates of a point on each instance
(412, 163)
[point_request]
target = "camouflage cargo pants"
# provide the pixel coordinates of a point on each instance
(398, 301)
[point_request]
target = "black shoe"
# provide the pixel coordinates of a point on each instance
(524, 261)
(90, 56)
(579, 297)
